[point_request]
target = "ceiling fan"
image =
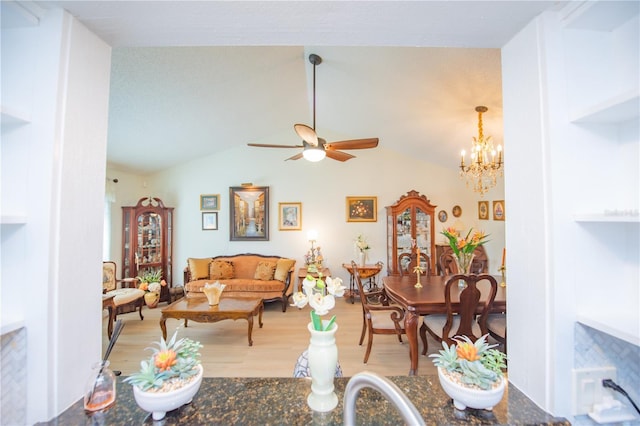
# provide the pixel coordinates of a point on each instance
(315, 148)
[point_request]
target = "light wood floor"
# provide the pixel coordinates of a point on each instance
(276, 346)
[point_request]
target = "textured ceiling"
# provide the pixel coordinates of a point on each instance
(197, 77)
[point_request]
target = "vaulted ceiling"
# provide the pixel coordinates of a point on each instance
(190, 78)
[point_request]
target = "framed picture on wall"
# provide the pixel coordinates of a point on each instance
(498, 210)
(362, 209)
(483, 210)
(289, 216)
(249, 213)
(442, 216)
(209, 221)
(210, 202)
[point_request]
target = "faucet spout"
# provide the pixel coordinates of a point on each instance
(387, 388)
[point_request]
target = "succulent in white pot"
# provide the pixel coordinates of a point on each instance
(169, 378)
(471, 372)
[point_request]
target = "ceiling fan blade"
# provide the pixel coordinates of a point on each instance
(353, 144)
(339, 155)
(264, 145)
(306, 133)
(295, 157)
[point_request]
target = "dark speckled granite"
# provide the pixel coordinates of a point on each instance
(282, 401)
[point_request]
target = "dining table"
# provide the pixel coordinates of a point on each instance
(429, 299)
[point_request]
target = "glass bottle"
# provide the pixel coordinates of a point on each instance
(100, 389)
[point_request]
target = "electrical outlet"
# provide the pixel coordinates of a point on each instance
(588, 389)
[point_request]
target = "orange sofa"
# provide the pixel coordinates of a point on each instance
(269, 278)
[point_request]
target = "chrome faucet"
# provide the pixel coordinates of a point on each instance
(387, 388)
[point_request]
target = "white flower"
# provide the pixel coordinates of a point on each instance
(299, 300)
(335, 287)
(322, 304)
(361, 243)
(154, 287)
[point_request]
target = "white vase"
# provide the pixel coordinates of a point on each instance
(464, 397)
(159, 403)
(363, 258)
(323, 358)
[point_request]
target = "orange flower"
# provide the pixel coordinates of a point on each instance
(163, 283)
(461, 243)
(467, 351)
(453, 231)
(165, 359)
(144, 286)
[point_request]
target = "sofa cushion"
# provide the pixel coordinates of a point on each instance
(221, 269)
(265, 270)
(199, 268)
(282, 269)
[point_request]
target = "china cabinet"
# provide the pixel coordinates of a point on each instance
(410, 219)
(147, 240)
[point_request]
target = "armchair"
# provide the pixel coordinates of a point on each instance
(126, 296)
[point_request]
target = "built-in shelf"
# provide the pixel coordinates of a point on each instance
(601, 217)
(13, 219)
(616, 109)
(610, 323)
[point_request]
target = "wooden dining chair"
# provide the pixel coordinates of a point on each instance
(381, 318)
(497, 328)
(448, 265)
(407, 261)
(466, 315)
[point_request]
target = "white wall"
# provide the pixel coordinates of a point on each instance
(322, 189)
(51, 263)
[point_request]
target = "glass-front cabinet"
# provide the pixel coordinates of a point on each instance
(410, 223)
(147, 240)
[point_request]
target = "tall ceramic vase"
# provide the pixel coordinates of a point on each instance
(323, 358)
(363, 257)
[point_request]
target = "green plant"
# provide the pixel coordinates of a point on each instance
(150, 276)
(476, 364)
(176, 359)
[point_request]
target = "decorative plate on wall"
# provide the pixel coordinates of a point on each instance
(442, 216)
(457, 211)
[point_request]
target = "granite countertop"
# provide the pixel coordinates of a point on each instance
(283, 401)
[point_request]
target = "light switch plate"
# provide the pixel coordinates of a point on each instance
(587, 387)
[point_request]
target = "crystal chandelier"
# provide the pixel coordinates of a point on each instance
(484, 168)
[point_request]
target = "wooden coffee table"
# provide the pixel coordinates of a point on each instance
(198, 309)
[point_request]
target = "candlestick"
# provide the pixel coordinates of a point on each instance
(504, 253)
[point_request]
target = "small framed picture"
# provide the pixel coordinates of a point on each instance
(210, 202)
(483, 210)
(457, 211)
(362, 209)
(498, 210)
(289, 216)
(442, 216)
(209, 221)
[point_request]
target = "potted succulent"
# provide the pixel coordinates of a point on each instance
(471, 373)
(169, 378)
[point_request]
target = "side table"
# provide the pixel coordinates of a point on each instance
(302, 274)
(366, 272)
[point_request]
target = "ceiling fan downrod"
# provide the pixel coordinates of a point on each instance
(315, 60)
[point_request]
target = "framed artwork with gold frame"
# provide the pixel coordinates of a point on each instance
(483, 210)
(249, 213)
(210, 202)
(289, 216)
(362, 209)
(498, 210)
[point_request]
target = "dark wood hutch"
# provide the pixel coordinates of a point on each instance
(147, 240)
(410, 218)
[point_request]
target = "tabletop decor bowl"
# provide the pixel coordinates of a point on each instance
(471, 373)
(170, 378)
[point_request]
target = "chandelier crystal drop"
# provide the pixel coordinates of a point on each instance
(484, 168)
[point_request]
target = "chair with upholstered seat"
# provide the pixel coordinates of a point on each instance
(467, 311)
(407, 262)
(497, 328)
(126, 296)
(379, 318)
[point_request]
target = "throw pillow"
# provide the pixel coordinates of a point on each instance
(282, 269)
(265, 270)
(199, 268)
(221, 270)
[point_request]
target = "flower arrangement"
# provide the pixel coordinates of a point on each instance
(361, 244)
(151, 281)
(171, 365)
(464, 245)
(475, 365)
(320, 294)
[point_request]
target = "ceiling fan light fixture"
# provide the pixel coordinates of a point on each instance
(314, 154)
